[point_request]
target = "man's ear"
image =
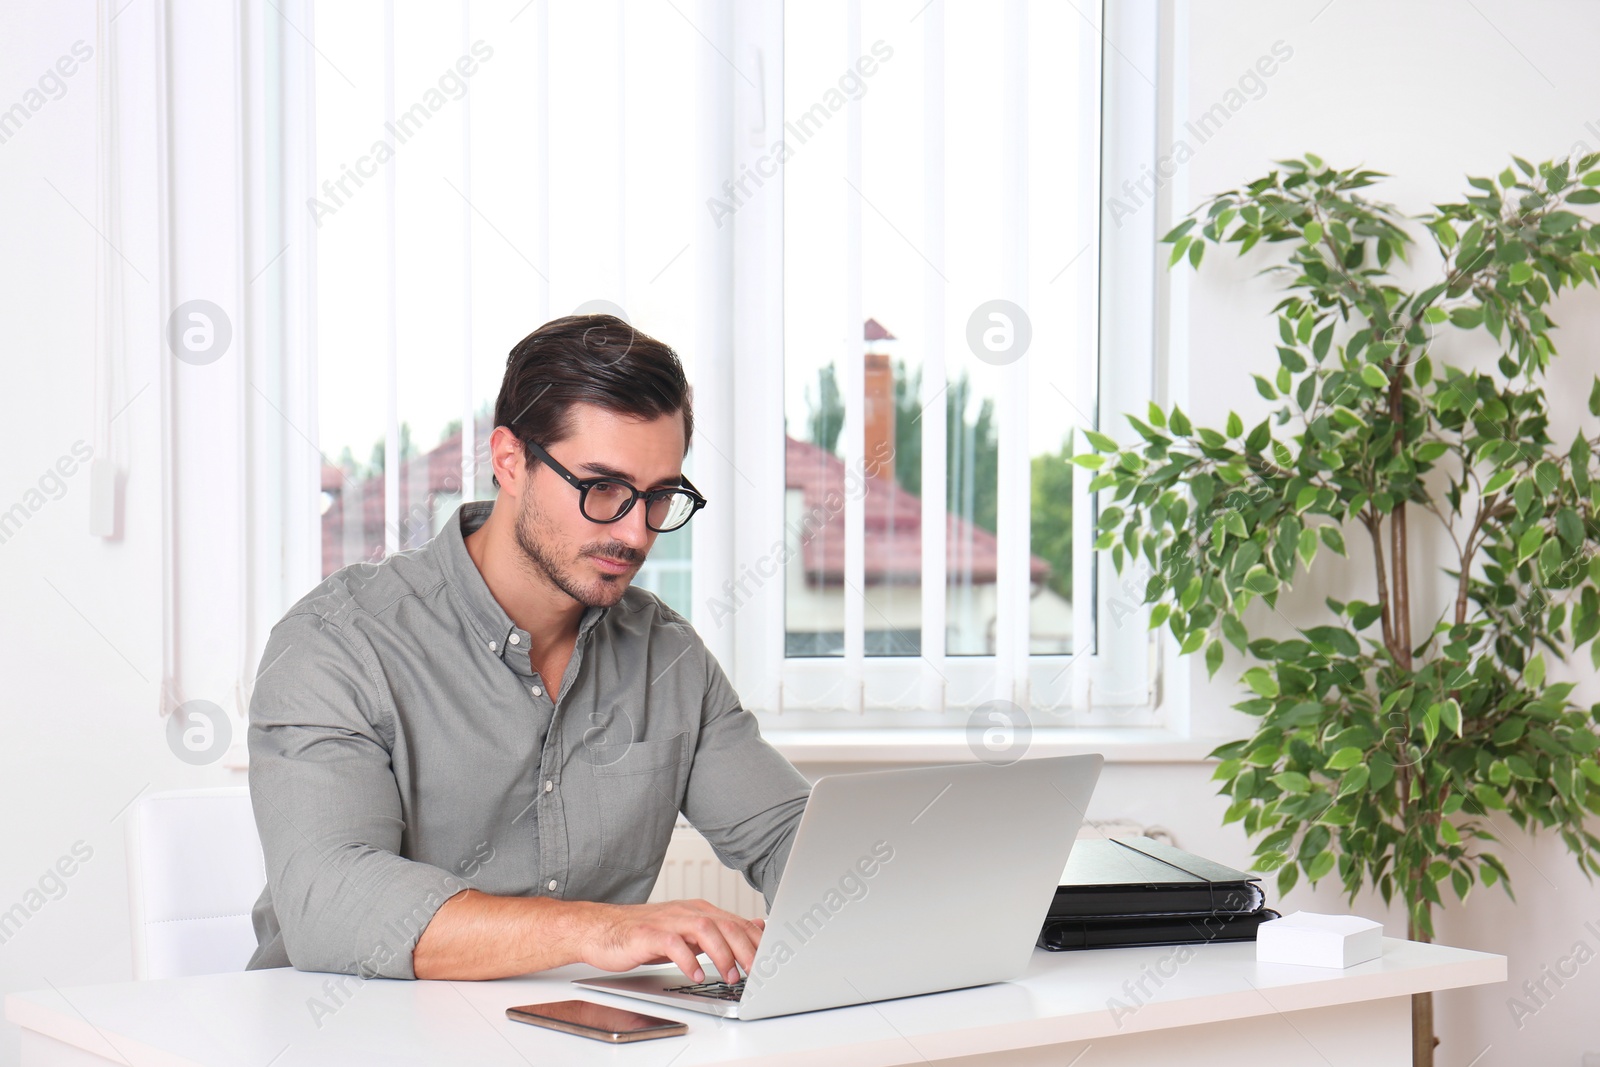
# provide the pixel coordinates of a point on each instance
(508, 460)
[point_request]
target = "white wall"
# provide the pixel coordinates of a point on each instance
(1425, 91)
(79, 637)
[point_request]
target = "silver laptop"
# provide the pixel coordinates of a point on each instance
(899, 883)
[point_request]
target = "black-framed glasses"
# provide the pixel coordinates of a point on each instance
(609, 499)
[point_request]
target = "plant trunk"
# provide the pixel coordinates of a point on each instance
(1422, 1039)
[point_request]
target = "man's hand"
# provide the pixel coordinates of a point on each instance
(624, 936)
(475, 936)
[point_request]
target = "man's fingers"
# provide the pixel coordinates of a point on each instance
(678, 951)
(708, 933)
(743, 937)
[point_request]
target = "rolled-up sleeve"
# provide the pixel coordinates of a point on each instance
(328, 807)
(743, 796)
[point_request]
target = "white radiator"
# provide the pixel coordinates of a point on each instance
(692, 871)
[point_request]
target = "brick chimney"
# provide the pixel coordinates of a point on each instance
(878, 445)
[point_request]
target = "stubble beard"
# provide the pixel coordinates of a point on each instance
(607, 588)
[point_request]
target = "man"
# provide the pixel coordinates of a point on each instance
(466, 761)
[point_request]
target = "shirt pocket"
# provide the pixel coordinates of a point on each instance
(638, 791)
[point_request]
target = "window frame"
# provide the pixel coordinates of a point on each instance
(1116, 695)
(1123, 696)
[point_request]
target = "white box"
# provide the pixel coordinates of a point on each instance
(1311, 940)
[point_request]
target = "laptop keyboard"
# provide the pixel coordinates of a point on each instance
(717, 990)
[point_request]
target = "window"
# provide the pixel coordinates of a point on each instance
(873, 231)
(940, 296)
(475, 178)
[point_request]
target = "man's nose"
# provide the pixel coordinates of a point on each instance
(630, 529)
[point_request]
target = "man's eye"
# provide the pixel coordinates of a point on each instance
(606, 489)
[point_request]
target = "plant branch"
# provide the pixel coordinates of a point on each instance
(1374, 526)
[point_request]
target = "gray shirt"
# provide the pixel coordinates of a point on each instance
(402, 748)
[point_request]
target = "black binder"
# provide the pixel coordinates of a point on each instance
(1138, 878)
(1062, 934)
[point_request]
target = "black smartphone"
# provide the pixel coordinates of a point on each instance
(599, 1021)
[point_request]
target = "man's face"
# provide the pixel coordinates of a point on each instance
(591, 562)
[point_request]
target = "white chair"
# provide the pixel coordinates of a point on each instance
(195, 870)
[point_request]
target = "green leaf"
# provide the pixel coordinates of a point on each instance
(1090, 460)
(1569, 527)
(1313, 233)
(1320, 865)
(1519, 274)
(1528, 544)
(1291, 782)
(1259, 437)
(1489, 796)
(1179, 230)
(1344, 759)
(1214, 652)
(1307, 547)
(1265, 756)
(1450, 716)
(1260, 580)
(1533, 673)
(1234, 631)
(1373, 375)
(1261, 681)
(1550, 560)
(1235, 425)
(1509, 730)
(1498, 480)
(1355, 780)
(1101, 441)
(1332, 538)
(1594, 396)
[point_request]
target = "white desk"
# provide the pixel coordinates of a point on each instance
(1215, 1006)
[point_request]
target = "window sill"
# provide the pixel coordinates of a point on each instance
(948, 745)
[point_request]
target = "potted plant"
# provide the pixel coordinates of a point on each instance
(1387, 734)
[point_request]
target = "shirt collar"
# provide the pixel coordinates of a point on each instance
(495, 632)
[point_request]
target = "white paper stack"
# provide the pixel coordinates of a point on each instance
(1312, 940)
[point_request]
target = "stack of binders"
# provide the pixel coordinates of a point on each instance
(1127, 891)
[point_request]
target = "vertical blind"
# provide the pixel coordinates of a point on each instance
(870, 229)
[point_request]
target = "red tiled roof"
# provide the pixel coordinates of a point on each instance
(893, 527)
(893, 518)
(437, 471)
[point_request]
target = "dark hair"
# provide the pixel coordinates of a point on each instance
(589, 359)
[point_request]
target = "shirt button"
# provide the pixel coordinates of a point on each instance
(552, 885)
(548, 785)
(493, 647)
(538, 692)
(515, 640)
